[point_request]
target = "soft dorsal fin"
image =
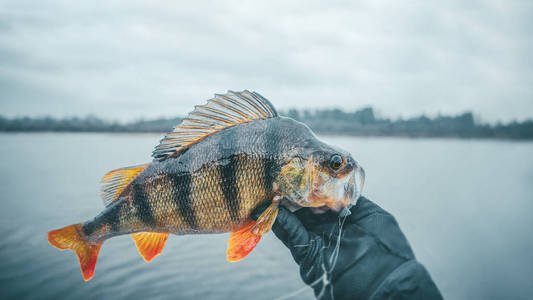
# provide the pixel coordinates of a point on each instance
(150, 244)
(115, 181)
(220, 112)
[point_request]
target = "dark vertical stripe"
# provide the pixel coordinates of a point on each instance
(228, 169)
(113, 217)
(109, 217)
(142, 205)
(229, 186)
(182, 198)
(271, 147)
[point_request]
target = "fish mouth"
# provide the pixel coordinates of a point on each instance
(347, 190)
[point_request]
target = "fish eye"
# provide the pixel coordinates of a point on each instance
(335, 162)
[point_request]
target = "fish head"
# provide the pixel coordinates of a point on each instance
(323, 178)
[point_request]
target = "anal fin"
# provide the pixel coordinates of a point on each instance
(241, 243)
(150, 244)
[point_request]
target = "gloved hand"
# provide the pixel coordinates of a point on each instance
(372, 261)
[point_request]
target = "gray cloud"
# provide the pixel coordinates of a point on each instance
(127, 59)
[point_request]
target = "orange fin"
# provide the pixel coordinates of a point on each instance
(266, 219)
(150, 244)
(114, 182)
(241, 243)
(72, 238)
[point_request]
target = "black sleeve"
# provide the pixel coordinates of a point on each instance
(409, 281)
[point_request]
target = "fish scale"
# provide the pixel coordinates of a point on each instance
(200, 206)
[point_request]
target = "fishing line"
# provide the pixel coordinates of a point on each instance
(302, 289)
(333, 258)
(332, 262)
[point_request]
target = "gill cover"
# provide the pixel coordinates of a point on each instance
(312, 182)
(296, 179)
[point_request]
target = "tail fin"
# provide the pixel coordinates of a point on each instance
(72, 238)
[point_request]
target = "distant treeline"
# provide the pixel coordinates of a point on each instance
(365, 123)
(362, 122)
(87, 124)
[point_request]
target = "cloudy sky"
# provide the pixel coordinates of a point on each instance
(130, 59)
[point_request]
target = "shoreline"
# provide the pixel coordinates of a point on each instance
(334, 135)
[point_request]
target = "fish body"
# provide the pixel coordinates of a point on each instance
(209, 188)
(210, 173)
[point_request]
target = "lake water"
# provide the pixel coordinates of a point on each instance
(465, 206)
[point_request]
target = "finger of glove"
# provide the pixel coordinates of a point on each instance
(287, 226)
(292, 233)
(311, 220)
(363, 209)
(376, 221)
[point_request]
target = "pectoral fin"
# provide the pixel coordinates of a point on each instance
(241, 243)
(244, 240)
(266, 219)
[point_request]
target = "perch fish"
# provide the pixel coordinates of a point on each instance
(226, 158)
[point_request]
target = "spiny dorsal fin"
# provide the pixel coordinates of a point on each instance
(150, 244)
(220, 112)
(115, 181)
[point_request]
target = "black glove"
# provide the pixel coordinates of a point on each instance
(372, 261)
